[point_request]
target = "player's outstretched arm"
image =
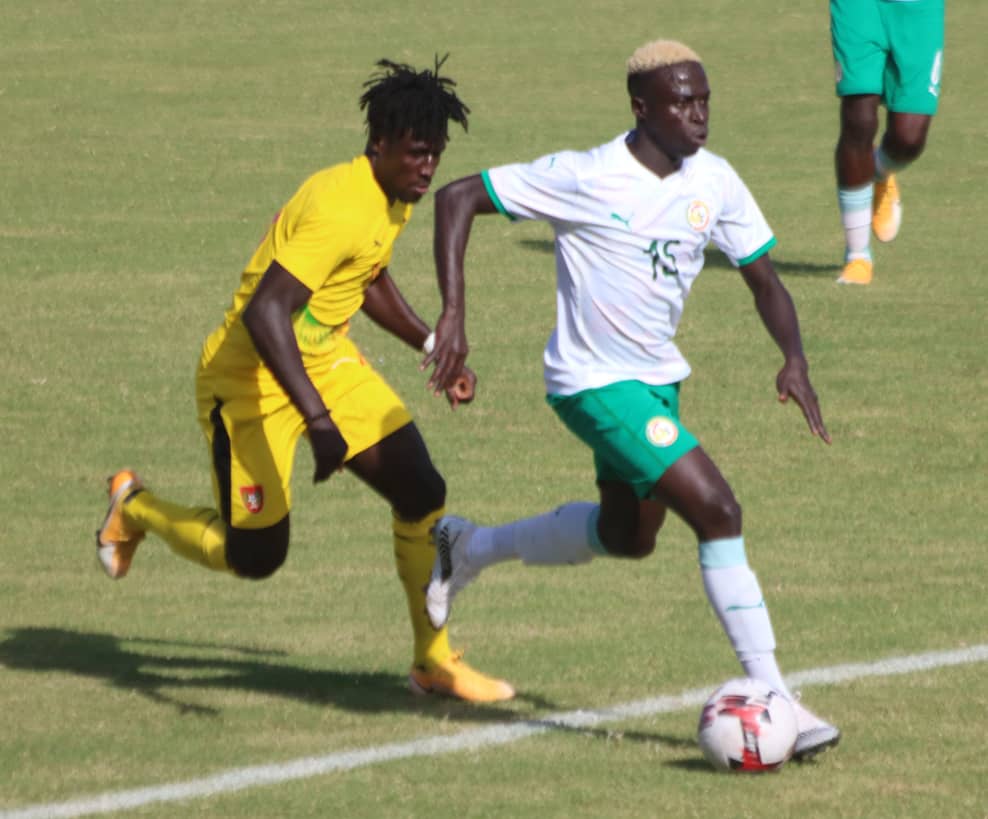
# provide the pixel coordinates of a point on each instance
(456, 205)
(778, 314)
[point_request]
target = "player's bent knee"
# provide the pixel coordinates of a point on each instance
(426, 495)
(909, 148)
(859, 120)
(721, 518)
(625, 543)
(257, 553)
(632, 549)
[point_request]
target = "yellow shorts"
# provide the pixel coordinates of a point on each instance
(252, 429)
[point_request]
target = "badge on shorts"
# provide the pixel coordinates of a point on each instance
(253, 498)
(661, 431)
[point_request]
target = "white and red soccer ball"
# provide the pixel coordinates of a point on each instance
(747, 726)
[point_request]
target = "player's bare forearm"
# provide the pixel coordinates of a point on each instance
(385, 305)
(456, 205)
(778, 314)
(774, 305)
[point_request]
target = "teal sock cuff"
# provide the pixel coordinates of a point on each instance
(722, 553)
(593, 539)
(851, 199)
(883, 162)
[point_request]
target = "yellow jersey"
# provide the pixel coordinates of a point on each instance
(334, 235)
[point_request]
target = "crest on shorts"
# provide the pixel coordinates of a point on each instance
(661, 431)
(698, 214)
(253, 498)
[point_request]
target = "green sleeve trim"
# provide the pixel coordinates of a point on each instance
(494, 197)
(765, 248)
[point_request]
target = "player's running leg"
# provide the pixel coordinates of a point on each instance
(695, 489)
(855, 167)
(567, 535)
(195, 533)
(901, 145)
(417, 492)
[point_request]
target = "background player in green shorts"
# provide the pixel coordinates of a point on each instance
(631, 220)
(886, 52)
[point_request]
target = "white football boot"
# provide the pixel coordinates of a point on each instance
(814, 734)
(451, 571)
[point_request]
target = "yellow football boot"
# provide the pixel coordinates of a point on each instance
(886, 211)
(856, 271)
(454, 678)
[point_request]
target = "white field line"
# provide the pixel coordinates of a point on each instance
(251, 777)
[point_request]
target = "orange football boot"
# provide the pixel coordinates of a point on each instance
(116, 540)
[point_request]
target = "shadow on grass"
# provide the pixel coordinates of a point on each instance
(156, 669)
(539, 245)
(695, 764)
(616, 735)
(714, 258)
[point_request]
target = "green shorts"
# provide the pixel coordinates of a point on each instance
(893, 48)
(633, 429)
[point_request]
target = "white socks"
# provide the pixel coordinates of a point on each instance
(736, 597)
(567, 535)
(855, 216)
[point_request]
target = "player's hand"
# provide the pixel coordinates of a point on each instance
(448, 354)
(793, 381)
(328, 447)
(463, 390)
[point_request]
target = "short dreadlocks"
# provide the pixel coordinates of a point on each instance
(400, 99)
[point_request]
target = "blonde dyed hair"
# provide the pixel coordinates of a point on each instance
(659, 53)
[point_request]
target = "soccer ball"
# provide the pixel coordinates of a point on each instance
(747, 726)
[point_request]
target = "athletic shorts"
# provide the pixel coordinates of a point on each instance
(633, 429)
(893, 48)
(253, 449)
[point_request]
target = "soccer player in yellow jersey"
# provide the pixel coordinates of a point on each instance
(282, 365)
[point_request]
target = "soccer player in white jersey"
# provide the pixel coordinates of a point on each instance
(631, 220)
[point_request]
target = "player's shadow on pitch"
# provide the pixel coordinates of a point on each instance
(716, 259)
(616, 736)
(157, 669)
(696, 764)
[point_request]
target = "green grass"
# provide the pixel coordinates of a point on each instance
(145, 146)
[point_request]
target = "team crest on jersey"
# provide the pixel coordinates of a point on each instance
(253, 498)
(698, 215)
(661, 431)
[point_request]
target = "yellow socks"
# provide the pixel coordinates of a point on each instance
(196, 533)
(414, 557)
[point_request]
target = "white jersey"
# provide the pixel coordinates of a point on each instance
(628, 247)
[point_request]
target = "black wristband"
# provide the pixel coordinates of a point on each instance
(316, 417)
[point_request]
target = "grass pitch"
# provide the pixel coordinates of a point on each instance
(146, 146)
